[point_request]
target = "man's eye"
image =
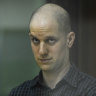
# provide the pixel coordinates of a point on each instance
(35, 41)
(51, 41)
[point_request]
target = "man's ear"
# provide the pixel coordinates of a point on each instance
(70, 39)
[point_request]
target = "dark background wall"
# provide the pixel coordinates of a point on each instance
(83, 18)
(17, 62)
(87, 37)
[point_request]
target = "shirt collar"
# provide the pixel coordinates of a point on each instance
(71, 77)
(36, 80)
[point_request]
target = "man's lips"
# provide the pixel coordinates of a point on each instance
(45, 60)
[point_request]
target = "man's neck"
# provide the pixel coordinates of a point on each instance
(52, 78)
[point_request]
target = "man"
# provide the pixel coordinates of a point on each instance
(51, 39)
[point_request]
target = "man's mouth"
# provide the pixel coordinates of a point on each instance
(45, 60)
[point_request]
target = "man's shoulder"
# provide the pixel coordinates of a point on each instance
(84, 77)
(23, 88)
(87, 82)
(80, 77)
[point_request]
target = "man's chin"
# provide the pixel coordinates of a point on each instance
(45, 67)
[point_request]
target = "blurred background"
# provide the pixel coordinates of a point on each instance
(17, 62)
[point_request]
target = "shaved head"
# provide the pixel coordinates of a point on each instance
(53, 12)
(51, 37)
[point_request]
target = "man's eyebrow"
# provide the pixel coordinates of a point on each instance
(51, 37)
(46, 38)
(31, 35)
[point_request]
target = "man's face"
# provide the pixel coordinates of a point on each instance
(48, 44)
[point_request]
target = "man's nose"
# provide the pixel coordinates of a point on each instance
(43, 49)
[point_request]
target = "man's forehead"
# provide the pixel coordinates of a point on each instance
(43, 19)
(43, 24)
(45, 27)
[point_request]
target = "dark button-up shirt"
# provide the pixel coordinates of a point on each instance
(74, 83)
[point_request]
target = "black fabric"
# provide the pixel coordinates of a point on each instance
(75, 83)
